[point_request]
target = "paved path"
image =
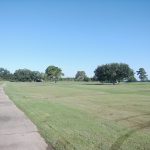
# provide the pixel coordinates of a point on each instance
(17, 132)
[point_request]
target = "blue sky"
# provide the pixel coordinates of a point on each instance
(74, 34)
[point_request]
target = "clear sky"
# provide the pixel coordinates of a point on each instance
(74, 34)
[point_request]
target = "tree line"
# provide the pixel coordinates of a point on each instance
(113, 73)
(107, 73)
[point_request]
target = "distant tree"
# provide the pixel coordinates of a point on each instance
(26, 75)
(36, 76)
(5, 74)
(81, 76)
(125, 73)
(114, 72)
(94, 78)
(53, 73)
(87, 79)
(132, 79)
(142, 74)
(23, 75)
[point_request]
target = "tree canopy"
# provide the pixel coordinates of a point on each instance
(114, 72)
(26, 75)
(5, 74)
(53, 73)
(81, 76)
(142, 74)
(111, 73)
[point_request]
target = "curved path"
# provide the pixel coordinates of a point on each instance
(17, 132)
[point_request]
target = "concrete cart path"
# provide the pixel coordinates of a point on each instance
(17, 132)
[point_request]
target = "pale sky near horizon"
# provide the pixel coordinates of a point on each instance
(74, 35)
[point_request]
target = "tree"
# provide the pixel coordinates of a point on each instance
(125, 73)
(23, 75)
(81, 76)
(87, 79)
(36, 76)
(26, 75)
(53, 73)
(5, 74)
(132, 79)
(142, 74)
(114, 72)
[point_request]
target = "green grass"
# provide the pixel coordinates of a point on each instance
(81, 116)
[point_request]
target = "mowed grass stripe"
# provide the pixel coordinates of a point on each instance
(85, 116)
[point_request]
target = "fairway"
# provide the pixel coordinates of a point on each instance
(87, 116)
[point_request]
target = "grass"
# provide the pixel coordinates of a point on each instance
(81, 116)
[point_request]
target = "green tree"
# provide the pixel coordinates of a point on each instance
(53, 73)
(37, 76)
(114, 72)
(5, 74)
(142, 74)
(81, 76)
(132, 79)
(26, 75)
(125, 73)
(23, 75)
